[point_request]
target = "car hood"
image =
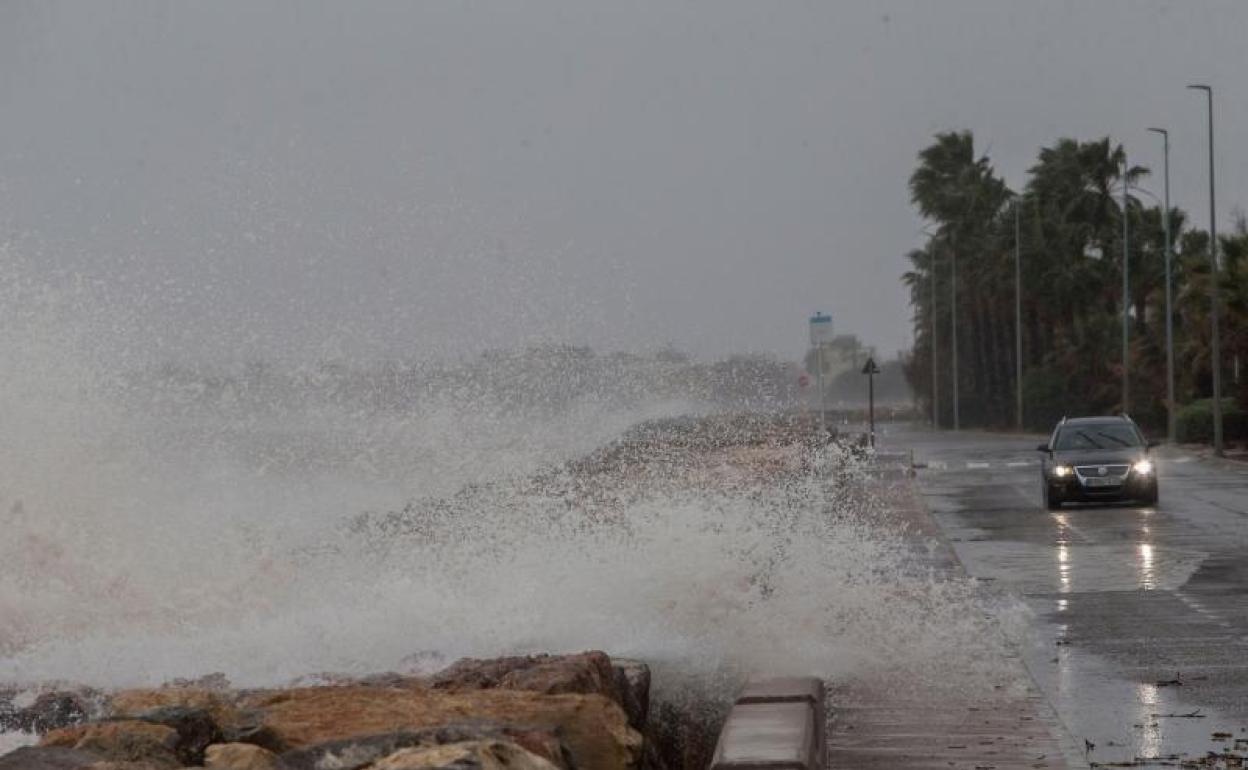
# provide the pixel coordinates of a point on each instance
(1099, 456)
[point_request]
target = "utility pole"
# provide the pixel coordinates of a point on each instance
(1165, 223)
(1215, 351)
(1126, 292)
(1018, 315)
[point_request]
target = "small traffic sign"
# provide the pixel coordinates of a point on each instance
(820, 329)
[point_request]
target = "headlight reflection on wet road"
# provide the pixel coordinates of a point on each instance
(1145, 564)
(1063, 553)
(1150, 735)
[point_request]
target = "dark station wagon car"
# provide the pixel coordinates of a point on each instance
(1095, 459)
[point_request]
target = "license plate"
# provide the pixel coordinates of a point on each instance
(1099, 482)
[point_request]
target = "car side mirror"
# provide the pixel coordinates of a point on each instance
(1042, 448)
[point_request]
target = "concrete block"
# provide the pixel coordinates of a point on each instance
(778, 736)
(783, 689)
(777, 723)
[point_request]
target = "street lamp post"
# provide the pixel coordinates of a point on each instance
(1165, 223)
(931, 273)
(1018, 316)
(1215, 352)
(1126, 286)
(953, 316)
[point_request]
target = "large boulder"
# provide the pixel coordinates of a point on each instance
(48, 711)
(201, 716)
(250, 728)
(584, 673)
(625, 681)
(196, 729)
(131, 704)
(53, 710)
(632, 683)
(475, 755)
(566, 711)
(123, 740)
(47, 758)
(58, 758)
(239, 756)
(594, 728)
(361, 751)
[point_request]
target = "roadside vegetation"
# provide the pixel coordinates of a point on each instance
(1070, 213)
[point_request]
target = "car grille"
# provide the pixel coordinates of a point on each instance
(1094, 471)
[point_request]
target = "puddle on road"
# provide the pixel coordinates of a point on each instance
(1032, 568)
(1055, 552)
(1119, 722)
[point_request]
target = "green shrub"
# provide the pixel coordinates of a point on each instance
(1194, 422)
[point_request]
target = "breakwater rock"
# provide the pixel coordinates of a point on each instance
(542, 712)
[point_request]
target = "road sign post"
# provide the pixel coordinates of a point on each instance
(823, 420)
(870, 369)
(820, 332)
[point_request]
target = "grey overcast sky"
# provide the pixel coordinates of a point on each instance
(369, 178)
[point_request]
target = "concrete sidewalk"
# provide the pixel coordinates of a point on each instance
(883, 726)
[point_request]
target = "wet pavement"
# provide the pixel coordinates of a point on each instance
(971, 714)
(1137, 635)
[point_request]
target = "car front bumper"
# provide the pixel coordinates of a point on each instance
(1133, 487)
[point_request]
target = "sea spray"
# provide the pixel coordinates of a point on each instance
(694, 575)
(270, 521)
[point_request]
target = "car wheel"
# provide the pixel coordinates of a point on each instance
(1150, 497)
(1052, 499)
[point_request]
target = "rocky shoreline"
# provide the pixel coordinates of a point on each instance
(530, 713)
(576, 711)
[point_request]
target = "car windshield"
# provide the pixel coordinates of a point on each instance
(1105, 436)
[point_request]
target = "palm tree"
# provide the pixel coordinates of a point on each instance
(1073, 306)
(1072, 246)
(962, 196)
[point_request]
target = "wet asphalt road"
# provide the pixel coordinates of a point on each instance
(1137, 633)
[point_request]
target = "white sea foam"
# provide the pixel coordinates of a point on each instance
(156, 530)
(14, 740)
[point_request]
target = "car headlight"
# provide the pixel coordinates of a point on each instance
(1062, 471)
(1143, 467)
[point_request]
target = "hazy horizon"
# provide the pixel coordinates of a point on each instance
(394, 179)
